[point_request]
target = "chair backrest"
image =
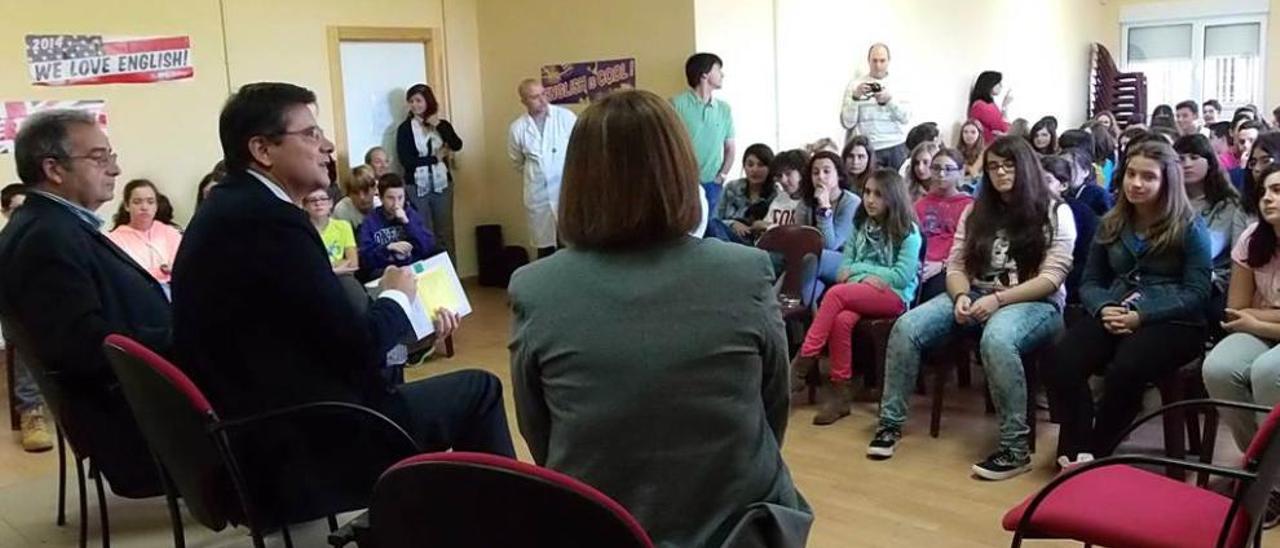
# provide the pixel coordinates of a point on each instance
(1262, 457)
(50, 390)
(472, 499)
(795, 243)
(174, 417)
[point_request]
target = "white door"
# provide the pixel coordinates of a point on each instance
(375, 76)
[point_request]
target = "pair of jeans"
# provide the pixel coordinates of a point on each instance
(1010, 332)
(462, 411)
(1128, 363)
(712, 191)
(892, 157)
(1243, 368)
(842, 307)
(821, 275)
(436, 209)
(25, 391)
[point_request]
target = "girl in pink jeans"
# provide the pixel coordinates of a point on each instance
(877, 279)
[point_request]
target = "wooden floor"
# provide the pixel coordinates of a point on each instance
(923, 497)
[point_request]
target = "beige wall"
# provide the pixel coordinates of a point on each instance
(518, 37)
(168, 131)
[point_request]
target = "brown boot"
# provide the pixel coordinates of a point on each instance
(836, 406)
(801, 366)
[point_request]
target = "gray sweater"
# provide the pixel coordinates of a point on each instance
(658, 376)
(1225, 220)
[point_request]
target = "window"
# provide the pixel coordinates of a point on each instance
(1199, 59)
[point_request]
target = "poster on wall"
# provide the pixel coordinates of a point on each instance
(91, 59)
(16, 111)
(589, 81)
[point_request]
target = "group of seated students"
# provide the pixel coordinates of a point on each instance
(1138, 238)
(997, 238)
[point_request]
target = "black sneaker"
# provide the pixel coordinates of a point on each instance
(885, 440)
(1272, 516)
(1002, 465)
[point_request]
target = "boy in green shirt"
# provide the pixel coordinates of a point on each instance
(709, 121)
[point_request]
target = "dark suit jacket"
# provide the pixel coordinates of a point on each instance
(64, 287)
(260, 323)
(260, 319)
(407, 150)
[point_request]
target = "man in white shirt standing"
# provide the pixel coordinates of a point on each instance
(536, 145)
(874, 108)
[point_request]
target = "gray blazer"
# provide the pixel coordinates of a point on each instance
(659, 377)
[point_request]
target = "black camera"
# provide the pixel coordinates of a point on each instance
(874, 87)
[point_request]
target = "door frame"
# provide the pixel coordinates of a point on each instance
(432, 40)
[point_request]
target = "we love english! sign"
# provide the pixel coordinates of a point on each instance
(87, 59)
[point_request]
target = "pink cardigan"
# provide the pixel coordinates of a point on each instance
(151, 249)
(991, 117)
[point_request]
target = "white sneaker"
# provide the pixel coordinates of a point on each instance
(1081, 458)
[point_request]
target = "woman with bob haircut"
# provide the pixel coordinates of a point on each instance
(596, 344)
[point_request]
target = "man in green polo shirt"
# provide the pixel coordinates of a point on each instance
(709, 122)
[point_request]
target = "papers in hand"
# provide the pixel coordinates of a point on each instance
(438, 287)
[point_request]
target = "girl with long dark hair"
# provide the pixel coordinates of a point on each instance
(982, 105)
(1004, 280)
(1044, 136)
(1245, 366)
(859, 162)
(1218, 204)
(745, 201)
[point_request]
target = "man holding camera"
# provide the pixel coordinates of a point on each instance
(873, 109)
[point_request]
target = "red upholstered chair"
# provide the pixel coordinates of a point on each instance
(1108, 502)
(473, 499)
(200, 455)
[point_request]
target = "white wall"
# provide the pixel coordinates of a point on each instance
(939, 46)
(741, 32)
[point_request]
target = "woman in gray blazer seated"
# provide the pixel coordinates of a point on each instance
(648, 363)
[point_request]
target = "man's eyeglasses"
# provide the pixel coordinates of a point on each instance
(99, 158)
(313, 133)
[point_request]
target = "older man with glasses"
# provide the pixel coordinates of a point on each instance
(65, 287)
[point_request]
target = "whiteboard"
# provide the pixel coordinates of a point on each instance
(375, 76)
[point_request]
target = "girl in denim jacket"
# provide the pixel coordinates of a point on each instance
(1145, 289)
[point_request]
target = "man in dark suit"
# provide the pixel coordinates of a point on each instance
(260, 320)
(65, 287)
